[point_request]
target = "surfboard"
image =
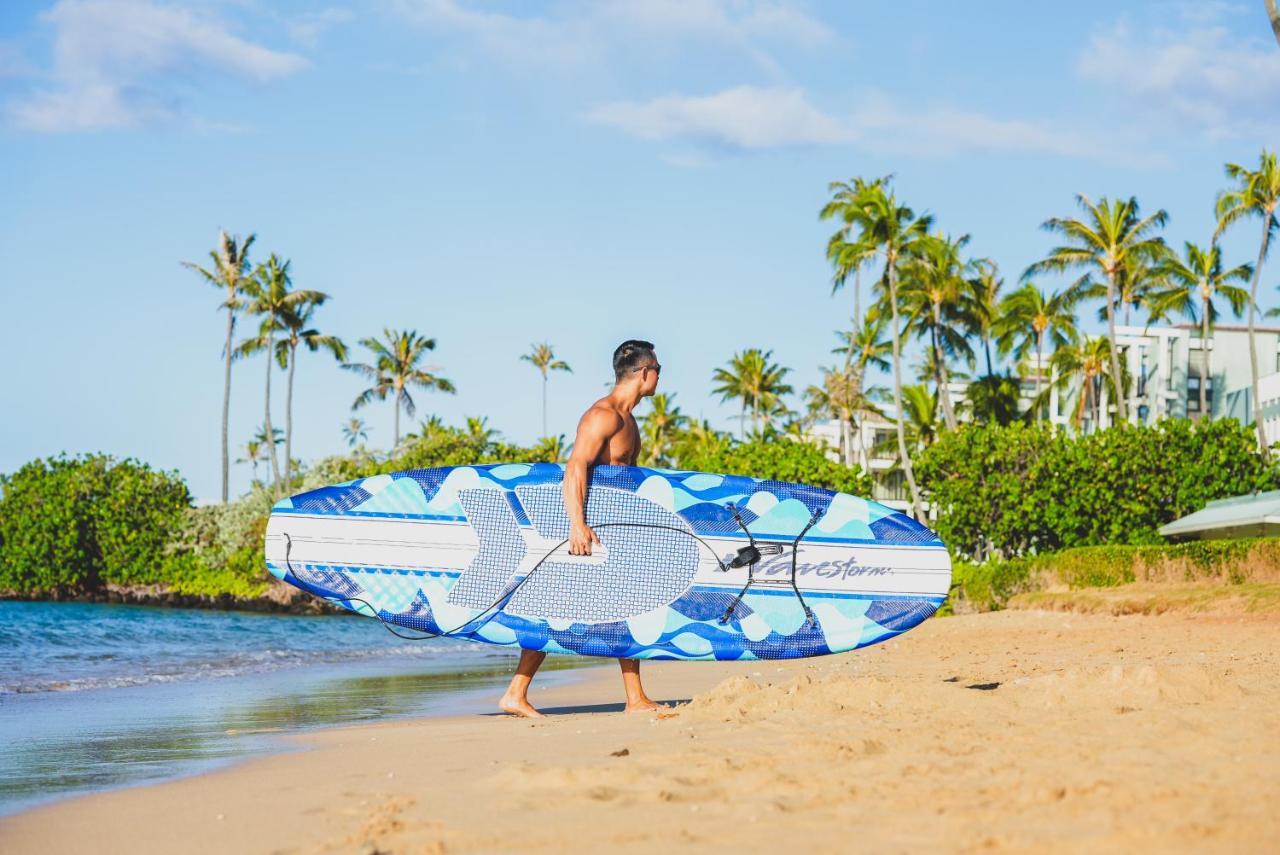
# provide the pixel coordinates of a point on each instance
(694, 565)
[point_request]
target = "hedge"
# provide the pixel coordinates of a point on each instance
(1027, 489)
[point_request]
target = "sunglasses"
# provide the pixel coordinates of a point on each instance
(656, 368)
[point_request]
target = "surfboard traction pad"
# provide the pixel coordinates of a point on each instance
(601, 609)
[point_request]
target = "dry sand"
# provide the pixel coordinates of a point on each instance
(1013, 731)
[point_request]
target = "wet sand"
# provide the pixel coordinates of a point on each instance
(1012, 731)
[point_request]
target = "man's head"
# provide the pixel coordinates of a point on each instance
(635, 362)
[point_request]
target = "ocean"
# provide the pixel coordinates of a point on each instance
(95, 696)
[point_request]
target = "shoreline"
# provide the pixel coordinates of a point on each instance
(276, 598)
(274, 741)
(1009, 730)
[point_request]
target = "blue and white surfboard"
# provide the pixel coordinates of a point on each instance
(694, 566)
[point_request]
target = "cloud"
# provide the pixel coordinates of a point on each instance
(309, 26)
(509, 38)
(748, 117)
(744, 117)
(116, 61)
(582, 33)
(717, 19)
(1201, 76)
(945, 130)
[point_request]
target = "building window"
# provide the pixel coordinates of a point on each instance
(1193, 394)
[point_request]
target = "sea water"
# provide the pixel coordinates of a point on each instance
(99, 696)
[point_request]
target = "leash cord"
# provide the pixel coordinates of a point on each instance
(503, 598)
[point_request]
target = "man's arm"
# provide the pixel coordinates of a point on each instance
(595, 429)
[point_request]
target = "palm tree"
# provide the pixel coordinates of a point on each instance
(479, 432)
(920, 422)
(893, 231)
(395, 368)
(935, 292)
(298, 332)
(1112, 238)
(660, 428)
(1256, 194)
(254, 451)
(758, 383)
(1196, 280)
(993, 399)
(862, 350)
(354, 431)
(543, 358)
(848, 257)
(1088, 364)
(699, 441)
(269, 296)
(983, 302)
(1027, 316)
(549, 449)
(230, 269)
(1273, 12)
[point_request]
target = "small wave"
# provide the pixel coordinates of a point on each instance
(233, 665)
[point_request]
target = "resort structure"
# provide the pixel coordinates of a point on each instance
(1163, 365)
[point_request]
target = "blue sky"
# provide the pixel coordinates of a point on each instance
(498, 174)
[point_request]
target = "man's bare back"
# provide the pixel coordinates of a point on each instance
(607, 435)
(622, 444)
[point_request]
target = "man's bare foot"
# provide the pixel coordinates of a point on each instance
(643, 705)
(519, 707)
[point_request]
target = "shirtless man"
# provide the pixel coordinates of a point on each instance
(607, 434)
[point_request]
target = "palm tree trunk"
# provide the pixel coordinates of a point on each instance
(1204, 359)
(1274, 14)
(271, 435)
(395, 437)
(1121, 413)
(940, 373)
(1039, 367)
(986, 344)
(862, 448)
(897, 389)
(846, 437)
(857, 300)
(1084, 397)
(544, 405)
(226, 405)
(1253, 344)
(288, 421)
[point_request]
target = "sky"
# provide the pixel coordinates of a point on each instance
(494, 175)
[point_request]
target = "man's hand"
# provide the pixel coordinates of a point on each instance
(581, 537)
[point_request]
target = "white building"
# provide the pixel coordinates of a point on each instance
(1164, 367)
(874, 449)
(1163, 364)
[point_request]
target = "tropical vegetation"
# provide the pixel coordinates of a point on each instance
(1037, 453)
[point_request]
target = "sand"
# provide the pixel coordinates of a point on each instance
(1012, 731)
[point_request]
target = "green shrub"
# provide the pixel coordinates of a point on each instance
(989, 586)
(780, 459)
(1023, 489)
(78, 524)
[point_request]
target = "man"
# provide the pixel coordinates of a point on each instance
(607, 434)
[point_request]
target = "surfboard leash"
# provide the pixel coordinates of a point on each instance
(506, 595)
(751, 554)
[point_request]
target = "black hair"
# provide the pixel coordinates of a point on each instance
(631, 354)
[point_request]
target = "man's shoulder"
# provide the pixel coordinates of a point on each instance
(600, 414)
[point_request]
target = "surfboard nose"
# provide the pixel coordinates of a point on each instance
(276, 547)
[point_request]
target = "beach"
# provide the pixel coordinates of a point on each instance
(1007, 731)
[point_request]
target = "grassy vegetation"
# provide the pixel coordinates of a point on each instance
(1196, 566)
(1153, 599)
